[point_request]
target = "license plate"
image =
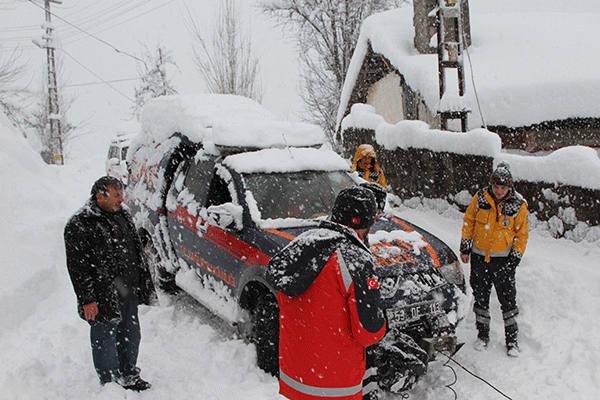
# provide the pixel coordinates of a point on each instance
(405, 315)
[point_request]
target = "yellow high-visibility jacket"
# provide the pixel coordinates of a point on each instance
(492, 229)
(372, 172)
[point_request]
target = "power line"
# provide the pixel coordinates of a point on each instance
(130, 19)
(108, 14)
(102, 82)
(95, 37)
(93, 73)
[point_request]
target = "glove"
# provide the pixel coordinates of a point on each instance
(514, 258)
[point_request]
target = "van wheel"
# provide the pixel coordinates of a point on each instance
(162, 279)
(265, 333)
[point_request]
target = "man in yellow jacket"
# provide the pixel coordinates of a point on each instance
(494, 237)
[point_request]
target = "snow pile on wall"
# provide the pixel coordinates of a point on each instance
(226, 120)
(576, 166)
(417, 134)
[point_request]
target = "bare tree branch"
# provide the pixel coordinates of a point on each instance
(227, 64)
(327, 32)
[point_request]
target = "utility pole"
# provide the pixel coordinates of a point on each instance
(56, 147)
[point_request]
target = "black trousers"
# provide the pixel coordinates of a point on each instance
(483, 276)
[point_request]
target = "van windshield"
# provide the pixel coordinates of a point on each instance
(304, 195)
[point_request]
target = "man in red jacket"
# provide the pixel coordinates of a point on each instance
(328, 297)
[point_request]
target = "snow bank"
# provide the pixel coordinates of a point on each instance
(28, 184)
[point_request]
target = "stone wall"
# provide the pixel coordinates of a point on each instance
(423, 173)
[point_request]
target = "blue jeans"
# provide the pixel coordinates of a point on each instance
(115, 346)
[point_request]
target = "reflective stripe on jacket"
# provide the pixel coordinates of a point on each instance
(491, 229)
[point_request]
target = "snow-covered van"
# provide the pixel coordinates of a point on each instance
(116, 164)
(218, 185)
(116, 160)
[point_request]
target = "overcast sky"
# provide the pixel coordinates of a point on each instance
(119, 29)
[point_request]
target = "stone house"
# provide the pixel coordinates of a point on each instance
(536, 86)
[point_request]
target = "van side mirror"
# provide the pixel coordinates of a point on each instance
(225, 216)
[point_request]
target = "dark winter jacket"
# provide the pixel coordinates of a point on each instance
(93, 261)
(329, 312)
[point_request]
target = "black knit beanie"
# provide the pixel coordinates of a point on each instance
(379, 192)
(502, 176)
(355, 207)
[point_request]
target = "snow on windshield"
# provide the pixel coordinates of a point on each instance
(287, 160)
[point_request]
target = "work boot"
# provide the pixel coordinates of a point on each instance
(480, 344)
(483, 337)
(137, 384)
(512, 349)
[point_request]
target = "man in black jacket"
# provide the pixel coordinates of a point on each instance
(110, 276)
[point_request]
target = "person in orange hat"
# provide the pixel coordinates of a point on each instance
(365, 163)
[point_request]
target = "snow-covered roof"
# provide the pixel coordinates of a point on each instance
(226, 120)
(530, 61)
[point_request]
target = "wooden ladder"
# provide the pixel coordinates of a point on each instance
(450, 55)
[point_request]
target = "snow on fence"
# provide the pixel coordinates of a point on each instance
(562, 188)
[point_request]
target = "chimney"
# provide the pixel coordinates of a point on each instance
(425, 23)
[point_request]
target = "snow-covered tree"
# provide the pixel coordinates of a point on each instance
(227, 64)
(326, 32)
(154, 79)
(38, 120)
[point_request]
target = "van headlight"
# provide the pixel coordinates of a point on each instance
(453, 273)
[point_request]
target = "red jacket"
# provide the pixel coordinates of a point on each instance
(329, 313)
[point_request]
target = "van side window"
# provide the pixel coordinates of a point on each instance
(197, 179)
(113, 152)
(218, 192)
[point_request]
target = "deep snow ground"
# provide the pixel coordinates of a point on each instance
(188, 354)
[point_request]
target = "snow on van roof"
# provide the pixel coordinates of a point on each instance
(530, 61)
(226, 120)
(287, 160)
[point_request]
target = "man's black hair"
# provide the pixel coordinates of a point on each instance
(101, 185)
